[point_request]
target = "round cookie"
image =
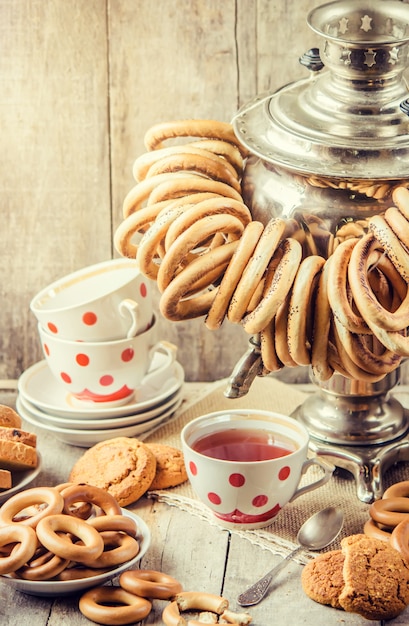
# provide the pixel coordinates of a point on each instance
(170, 466)
(376, 578)
(322, 578)
(123, 466)
(9, 417)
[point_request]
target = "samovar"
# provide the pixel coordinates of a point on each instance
(328, 151)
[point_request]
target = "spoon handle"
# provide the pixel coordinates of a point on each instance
(256, 592)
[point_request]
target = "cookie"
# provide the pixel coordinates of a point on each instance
(123, 466)
(376, 578)
(322, 578)
(16, 434)
(8, 417)
(170, 466)
(17, 456)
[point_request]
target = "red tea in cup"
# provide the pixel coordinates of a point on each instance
(244, 445)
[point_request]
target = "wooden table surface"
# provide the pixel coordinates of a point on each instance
(202, 556)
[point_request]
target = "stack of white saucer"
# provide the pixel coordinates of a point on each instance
(45, 404)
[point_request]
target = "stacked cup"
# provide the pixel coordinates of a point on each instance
(99, 333)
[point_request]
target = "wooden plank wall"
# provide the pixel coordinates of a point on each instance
(81, 82)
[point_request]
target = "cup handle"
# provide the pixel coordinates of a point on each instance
(130, 306)
(328, 469)
(170, 351)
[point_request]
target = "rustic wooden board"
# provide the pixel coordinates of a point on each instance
(81, 83)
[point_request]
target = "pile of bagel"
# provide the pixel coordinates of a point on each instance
(186, 223)
(389, 518)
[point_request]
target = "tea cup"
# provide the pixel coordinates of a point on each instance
(106, 373)
(103, 302)
(246, 465)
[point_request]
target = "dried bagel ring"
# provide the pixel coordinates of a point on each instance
(371, 529)
(193, 236)
(209, 129)
(34, 496)
(135, 223)
(398, 223)
(398, 490)
(173, 304)
(140, 193)
(146, 160)
(118, 548)
(391, 244)
(80, 509)
(353, 370)
(360, 353)
(233, 273)
(390, 511)
(276, 288)
(337, 288)
(89, 548)
(223, 149)
(370, 308)
(88, 493)
(271, 237)
(44, 566)
(396, 341)
(281, 334)
(202, 164)
(268, 350)
(321, 368)
(120, 523)
(150, 584)
(147, 255)
(400, 539)
(187, 600)
(113, 605)
(299, 314)
(400, 196)
(180, 186)
(24, 542)
(205, 208)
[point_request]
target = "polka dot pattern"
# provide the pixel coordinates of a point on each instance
(238, 481)
(91, 318)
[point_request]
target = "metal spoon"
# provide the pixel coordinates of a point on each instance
(317, 532)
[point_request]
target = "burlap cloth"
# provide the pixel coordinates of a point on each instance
(280, 537)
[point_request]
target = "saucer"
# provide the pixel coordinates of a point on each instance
(21, 480)
(79, 422)
(88, 438)
(51, 588)
(38, 385)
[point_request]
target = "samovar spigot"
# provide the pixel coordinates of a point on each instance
(246, 369)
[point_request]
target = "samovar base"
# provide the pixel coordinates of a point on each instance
(359, 427)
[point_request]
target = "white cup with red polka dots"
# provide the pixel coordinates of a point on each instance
(246, 465)
(107, 373)
(103, 302)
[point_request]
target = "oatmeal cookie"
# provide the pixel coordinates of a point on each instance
(322, 578)
(376, 578)
(123, 466)
(170, 466)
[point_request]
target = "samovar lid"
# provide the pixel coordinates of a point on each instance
(349, 118)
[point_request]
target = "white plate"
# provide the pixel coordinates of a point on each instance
(65, 587)
(21, 480)
(88, 438)
(100, 424)
(38, 385)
